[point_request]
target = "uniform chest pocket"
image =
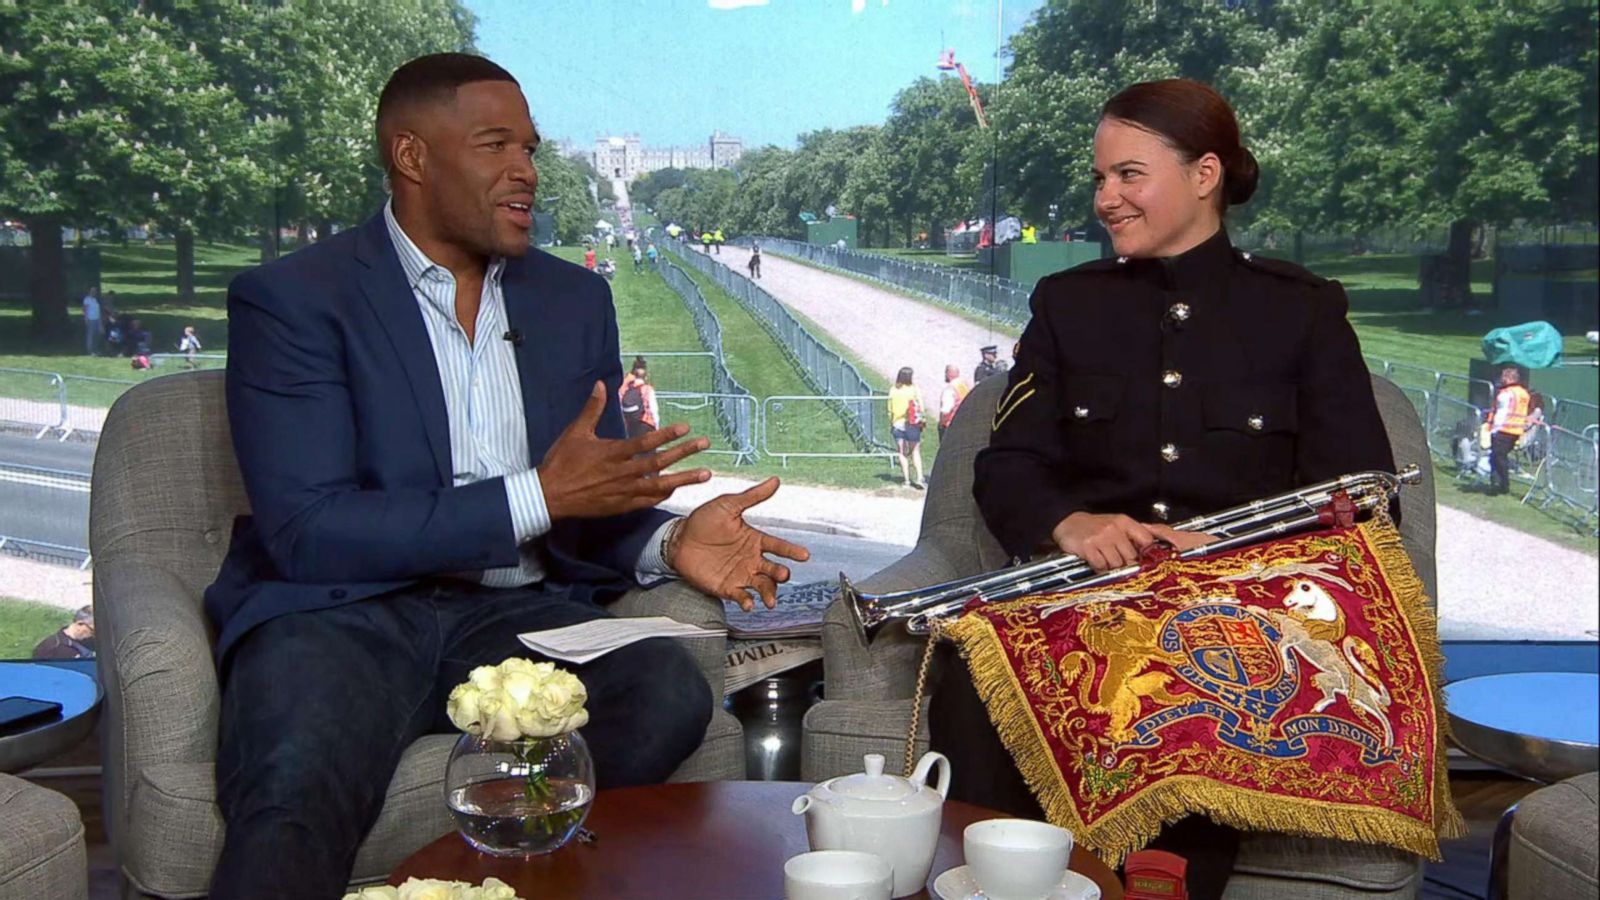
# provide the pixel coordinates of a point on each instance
(1260, 409)
(1090, 398)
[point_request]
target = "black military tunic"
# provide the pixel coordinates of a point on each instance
(1162, 389)
(1169, 388)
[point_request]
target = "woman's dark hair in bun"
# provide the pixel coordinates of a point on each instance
(1194, 120)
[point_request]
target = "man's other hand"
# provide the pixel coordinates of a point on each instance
(587, 476)
(716, 551)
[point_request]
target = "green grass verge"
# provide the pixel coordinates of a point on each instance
(1554, 523)
(928, 257)
(23, 624)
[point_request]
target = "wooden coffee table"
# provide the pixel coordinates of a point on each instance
(720, 840)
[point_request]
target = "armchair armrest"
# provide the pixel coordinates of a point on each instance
(155, 665)
(682, 603)
(885, 669)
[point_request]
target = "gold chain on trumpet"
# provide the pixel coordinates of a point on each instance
(916, 699)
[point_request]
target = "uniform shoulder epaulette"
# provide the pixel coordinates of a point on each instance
(1280, 267)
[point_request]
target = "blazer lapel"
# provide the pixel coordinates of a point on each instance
(395, 307)
(522, 307)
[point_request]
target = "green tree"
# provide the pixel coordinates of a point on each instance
(564, 192)
(1451, 115)
(929, 124)
(114, 116)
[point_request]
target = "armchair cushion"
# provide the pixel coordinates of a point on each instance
(41, 843)
(1553, 850)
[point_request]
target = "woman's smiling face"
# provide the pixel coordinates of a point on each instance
(1150, 199)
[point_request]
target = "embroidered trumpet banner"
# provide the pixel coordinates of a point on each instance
(1291, 686)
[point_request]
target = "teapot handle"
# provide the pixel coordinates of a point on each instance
(919, 775)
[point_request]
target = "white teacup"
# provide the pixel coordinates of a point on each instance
(1016, 859)
(837, 875)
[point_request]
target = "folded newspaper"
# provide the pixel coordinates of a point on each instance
(751, 661)
(591, 640)
(798, 613)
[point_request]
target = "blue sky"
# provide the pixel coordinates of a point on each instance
(674, 70)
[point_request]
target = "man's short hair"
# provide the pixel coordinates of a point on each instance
(86, 614)
(431, 79)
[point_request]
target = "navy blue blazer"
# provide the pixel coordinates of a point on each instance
(340, 428)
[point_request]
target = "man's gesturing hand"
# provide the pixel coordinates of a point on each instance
(586, 476)
(716, 551)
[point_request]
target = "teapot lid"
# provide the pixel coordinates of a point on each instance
(873, 784)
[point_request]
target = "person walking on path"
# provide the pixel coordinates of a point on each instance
(905, 424)
(638, 256)
(755, 261)
(638, 399)
(1507, 424)
(651, 253)
(955, 391)
(92, 329)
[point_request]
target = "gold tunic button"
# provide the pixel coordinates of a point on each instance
(1172, 378)
(1256, 423)
(1160, 510)
(1169, 452)
(1080, 412)
(1179, 312)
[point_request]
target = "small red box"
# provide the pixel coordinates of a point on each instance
(1154, 875)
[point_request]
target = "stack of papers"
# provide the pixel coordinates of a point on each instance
(588, 641)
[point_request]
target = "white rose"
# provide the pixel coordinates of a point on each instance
(485, 677)
(522, 688)
(373, 892)
(495, 889)
(428, 889)
(462, 707)
(499, 717)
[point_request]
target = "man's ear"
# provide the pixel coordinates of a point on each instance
(410, 155)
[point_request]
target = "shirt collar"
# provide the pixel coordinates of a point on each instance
(416, 263)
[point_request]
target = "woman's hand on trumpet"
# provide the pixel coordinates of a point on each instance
(1113, 541)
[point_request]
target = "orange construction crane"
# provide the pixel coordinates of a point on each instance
(947, 63)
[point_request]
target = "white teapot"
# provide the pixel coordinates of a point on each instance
(892, 817)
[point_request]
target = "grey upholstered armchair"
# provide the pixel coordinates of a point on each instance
(868, 689)
(166, 489)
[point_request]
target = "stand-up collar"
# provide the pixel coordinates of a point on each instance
(1203, 264)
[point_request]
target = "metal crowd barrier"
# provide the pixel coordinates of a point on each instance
(774, 419)
(737, 418)
(984, 295)
(34, 400)
(827, 372)
(1570, 473)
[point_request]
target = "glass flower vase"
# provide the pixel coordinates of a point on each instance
(519, 798)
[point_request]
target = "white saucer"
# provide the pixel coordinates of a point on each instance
(957, 884)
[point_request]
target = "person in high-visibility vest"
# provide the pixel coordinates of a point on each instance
(716, 241)
(955, 391)
(1030, 234)
(1507, 424)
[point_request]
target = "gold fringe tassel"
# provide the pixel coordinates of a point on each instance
(1136, 821)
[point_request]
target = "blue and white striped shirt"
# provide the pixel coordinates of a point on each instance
(483, 398)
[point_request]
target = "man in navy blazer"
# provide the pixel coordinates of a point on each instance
(425, 414)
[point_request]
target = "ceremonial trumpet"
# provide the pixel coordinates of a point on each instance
(1259, 520)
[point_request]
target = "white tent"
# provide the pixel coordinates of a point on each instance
(603, 225)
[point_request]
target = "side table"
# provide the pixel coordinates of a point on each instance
(70, 683)
(710, 839)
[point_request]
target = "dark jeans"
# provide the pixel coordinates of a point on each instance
(317, 708)
(1500, 447)
(983, 772)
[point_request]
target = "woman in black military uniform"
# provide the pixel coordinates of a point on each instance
(1180, 378)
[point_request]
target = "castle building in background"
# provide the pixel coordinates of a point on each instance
(628, 157)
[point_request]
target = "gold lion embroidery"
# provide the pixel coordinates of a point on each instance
(1129, 644)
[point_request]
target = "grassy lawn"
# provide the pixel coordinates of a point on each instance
(24, 624)
(1555, 524)
(928, 257)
